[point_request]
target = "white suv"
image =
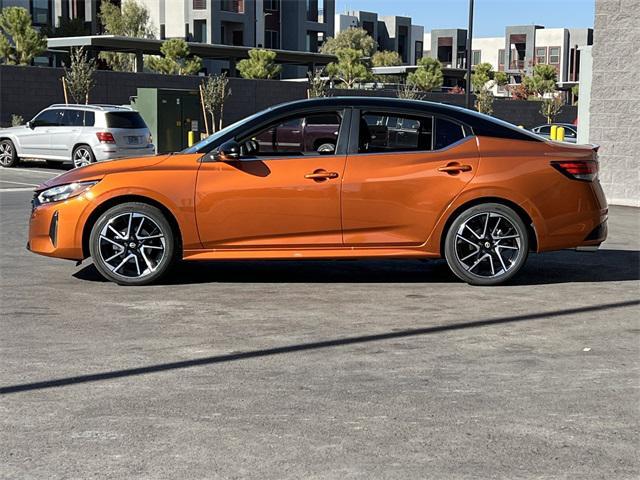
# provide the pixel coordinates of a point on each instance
(81, 134)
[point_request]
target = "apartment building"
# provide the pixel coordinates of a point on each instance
(518, 51)
(395, 33)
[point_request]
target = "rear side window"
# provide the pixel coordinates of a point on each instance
(89, 119)
(125, 120)
(74, 118)
(387, 132)
(447, 133)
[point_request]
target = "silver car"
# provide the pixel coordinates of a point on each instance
(81, 134)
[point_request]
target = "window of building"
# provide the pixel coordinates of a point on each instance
(41, 12)
(272, 5)
(501, 59)
(199, 4)
(237, 37)
(541, 55)
(163, 33)
(419, 47)
(300, 135)
(554, 55)
(271, 39)
(235, 6)
(476, 57)
(200, 31)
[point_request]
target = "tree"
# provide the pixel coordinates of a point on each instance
(551, 107)
(386, 58)
(543, 81)
(481, 83)
(215, 91)
(259, 65)
(19, 41)
(349, 70)
(317, 86)
(68, 27)
(353, 38)
(427, 76)
(408, 92)
(501, 79)
(79, 76)
(16, 120)
(132, 20)
(176, 59)
(575, 92)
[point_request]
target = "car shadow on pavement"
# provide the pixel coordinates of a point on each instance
(34, 163)
(310, 346)
(548, 268)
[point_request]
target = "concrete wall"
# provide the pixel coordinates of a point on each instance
(489, 48)
(27, 90)
(584, 99)
(615, 98)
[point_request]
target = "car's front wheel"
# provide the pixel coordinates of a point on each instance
(132, 244)
(486, 244)
(82, 156)
(8, 155)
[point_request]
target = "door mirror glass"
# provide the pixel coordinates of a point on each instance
(228, 151)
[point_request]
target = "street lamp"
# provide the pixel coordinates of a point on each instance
(467, 90)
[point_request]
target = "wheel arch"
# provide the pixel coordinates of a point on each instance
(112, 202)
(521, 212)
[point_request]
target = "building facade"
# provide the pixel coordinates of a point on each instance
(394, 33)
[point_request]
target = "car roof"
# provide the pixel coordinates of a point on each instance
(92, 107)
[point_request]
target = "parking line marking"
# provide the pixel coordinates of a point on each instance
(33, 171)
(19, 183)
(3, 190)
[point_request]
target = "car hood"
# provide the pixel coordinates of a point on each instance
(98, 170)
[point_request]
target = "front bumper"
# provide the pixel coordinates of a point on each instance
(53, 229)
(108, 151)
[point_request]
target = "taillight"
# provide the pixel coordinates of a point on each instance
(586, 170)
(105, 137)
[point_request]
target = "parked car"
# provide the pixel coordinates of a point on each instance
(406, 179)
(81, 134)
(570, 132)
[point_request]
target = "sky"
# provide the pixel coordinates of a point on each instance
(490, 16)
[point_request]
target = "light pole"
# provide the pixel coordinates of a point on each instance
(467, 90)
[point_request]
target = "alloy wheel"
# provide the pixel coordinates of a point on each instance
(132, 245)
(82, 157)
(488, 245)
(6, 154)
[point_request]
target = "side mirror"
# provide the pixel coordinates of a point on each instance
(30, 125)
(228, 151)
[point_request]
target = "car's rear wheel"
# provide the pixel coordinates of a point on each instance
(486, 244)
(132, 244)
(82, 156)
(8, 155)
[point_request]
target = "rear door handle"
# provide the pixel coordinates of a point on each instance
(455, 168)
(321, 175)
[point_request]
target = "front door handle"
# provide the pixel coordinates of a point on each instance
(320, 175)
(453, 168)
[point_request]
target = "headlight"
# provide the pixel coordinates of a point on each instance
(62, 192)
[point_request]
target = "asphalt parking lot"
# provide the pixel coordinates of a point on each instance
(350, 370)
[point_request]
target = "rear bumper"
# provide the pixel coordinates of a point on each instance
(107, 151)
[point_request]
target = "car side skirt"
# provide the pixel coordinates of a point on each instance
(306, 253)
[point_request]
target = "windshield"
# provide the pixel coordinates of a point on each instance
(205, 145)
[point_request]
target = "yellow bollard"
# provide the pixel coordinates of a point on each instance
(554, 132)
(191, 138)
(560, 134)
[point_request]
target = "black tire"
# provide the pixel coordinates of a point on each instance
(478, 253)
(82, 155)
(145, 221)
(8, 156)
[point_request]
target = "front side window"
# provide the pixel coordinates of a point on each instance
(311, 134)
(48, 118)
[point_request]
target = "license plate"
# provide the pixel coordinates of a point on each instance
(133, 140)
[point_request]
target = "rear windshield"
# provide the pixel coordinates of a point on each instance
(125, 120)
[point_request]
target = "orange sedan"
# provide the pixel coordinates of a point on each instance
(327, 179)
